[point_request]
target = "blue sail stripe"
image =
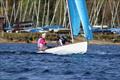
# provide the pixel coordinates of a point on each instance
(82, 10)
(74, 17)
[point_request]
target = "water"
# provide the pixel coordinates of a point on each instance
(21, 62)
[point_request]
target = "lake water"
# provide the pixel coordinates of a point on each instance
(21, 62)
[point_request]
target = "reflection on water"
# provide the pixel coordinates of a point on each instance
(21, 62)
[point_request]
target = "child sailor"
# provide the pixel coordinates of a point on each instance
(42, 43)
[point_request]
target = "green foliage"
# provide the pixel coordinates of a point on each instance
(51, 36)
(33, 6)
(107, 37)
(28, 37)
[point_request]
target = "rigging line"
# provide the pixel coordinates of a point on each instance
(21, 10)
(31, 8)
(95, 11)
(65, 11)
(116, 8)
(92, 11)
(57, 4)
(47, 17)
(60, 20)
(1, 7)
(112, 11)
(6, 13)
(43, 18)
(103, 14)
(38, 13)
(11, 17)
(96, 19)
(118, 14)
(33, 12)
(18, 8)
(26, 8)
(116, 11)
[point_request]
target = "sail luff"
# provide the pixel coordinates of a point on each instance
(74, 18)
(70, 21)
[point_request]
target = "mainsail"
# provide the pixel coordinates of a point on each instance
(77, 12)
(74, 17)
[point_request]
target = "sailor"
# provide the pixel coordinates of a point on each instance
(62, 40)
(42, 43)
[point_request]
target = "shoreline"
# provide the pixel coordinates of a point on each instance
(101, 39)
(98, 42)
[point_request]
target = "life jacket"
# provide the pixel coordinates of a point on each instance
(41, 42)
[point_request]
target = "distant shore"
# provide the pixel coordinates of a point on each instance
(99, 42)
(103, 42)
(101, 38)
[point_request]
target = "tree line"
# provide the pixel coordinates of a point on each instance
(48, 12)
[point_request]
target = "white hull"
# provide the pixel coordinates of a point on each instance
(76, 48)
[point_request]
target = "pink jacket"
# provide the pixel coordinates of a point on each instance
(41, 42)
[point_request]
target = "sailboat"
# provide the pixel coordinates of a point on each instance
(77, 14)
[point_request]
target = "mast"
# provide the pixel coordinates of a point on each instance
(70, 22)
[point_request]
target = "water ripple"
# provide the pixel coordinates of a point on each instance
(21, 62)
